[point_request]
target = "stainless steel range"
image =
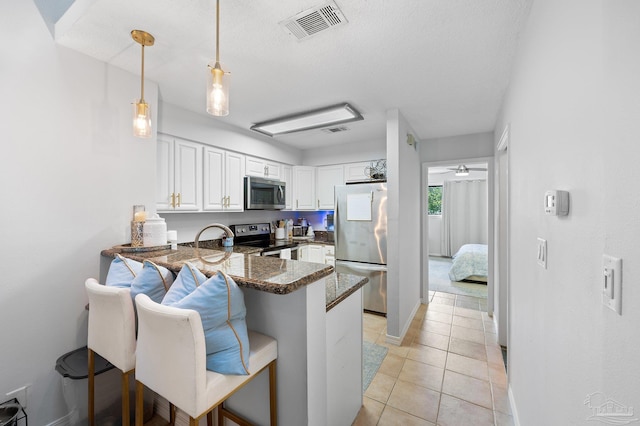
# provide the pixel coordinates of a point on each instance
(259, 235)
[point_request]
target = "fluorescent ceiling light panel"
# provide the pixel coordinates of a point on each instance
(323, 117)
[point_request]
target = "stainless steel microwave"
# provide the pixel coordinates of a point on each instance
(264, 194)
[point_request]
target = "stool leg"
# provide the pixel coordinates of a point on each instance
(125, 398)
(210, 418)
(172, 414)
(139, 403)
(220, 416)
(273, 402)
(91, 371)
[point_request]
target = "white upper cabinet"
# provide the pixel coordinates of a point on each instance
(287, 178)
(179, 175)
(263, 168)
(327, 177)
(356, 171)
(223, 180)
(304, 188)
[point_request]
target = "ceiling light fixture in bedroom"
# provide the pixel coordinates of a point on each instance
(462, 170)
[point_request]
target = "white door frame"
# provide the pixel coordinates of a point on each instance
(490, 222)
(503, 213)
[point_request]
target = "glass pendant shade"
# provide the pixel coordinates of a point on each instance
(141, 119)
(217, 91)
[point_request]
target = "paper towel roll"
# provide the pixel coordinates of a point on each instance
(285, 253)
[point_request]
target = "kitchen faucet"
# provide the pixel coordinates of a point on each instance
(214, 225)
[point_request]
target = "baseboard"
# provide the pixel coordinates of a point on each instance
(514, 409)
(394, 340)
(63, 421)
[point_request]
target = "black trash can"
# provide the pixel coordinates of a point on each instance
(74, 369)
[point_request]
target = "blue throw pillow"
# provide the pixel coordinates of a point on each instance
(153, 280)
(220, 303)
(122, 272)
(187, 280)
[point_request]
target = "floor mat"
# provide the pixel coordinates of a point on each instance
(373, 356)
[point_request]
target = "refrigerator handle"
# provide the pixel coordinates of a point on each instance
(363, 266)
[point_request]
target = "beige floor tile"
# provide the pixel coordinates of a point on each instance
(498, 375)
(494, 355)
(465, 333)
(394, 417)
(436, 327)
(445, 295)
(425, 375)
(500, 399)
(503, 419)
(439, 316)
(442, 301)
(415, 400)
(400, 351)
(489, 326)
(467, 388)
(447, 309)
(469, 313)
(369, 413)
(380, 387)
(391, 365)
(370, 336)
(468, 349)
(473, 323)
(468, 366)
(428, 355)
(434, 340)
(456, 412)
(490, 338)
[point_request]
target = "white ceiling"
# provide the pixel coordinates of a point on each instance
(444, 63)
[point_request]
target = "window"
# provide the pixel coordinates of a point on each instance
(434, 203)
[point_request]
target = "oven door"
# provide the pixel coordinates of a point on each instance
(277, 253)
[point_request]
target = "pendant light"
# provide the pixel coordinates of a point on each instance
(217, 84)
(141, 110)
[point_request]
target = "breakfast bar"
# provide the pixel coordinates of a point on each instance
(315, 315)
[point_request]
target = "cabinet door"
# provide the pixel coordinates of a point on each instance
(327, 178)
(356, 171)
(255, 166)
(188, 175)
(164, 173)
(303, 253)
(304, 188)
(214, 176)
(273, 170)
(316, 253)
(234, 181)
(287, 178)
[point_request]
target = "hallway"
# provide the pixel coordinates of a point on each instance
(448, 371)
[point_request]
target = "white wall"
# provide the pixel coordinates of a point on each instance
(455, 148)
(573, 108)
(70, 175)
(403, 224)
(351, 153)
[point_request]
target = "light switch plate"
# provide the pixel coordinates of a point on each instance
(612, 283)
(542, 252)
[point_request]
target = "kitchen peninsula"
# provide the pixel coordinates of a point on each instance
(316, 317)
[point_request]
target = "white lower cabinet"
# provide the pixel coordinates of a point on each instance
(179, 175)
(223, 180)
(317, 253)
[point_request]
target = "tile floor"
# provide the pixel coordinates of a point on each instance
(448, 371)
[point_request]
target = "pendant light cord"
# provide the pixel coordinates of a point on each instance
(142, 77)
(217, 31)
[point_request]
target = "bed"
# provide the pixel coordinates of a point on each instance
(470, 263)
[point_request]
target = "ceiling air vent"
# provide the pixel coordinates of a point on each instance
(335, 129)
(313, 21)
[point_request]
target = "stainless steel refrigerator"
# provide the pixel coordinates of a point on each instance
(360, 220)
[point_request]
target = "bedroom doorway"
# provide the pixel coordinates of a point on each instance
(458, 234)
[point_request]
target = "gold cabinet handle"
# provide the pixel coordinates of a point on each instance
(226, 201)
(173, 200)
(179, 199)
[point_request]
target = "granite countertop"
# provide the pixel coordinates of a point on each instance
(268, 274)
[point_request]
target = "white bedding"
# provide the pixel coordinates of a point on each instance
(470, 262)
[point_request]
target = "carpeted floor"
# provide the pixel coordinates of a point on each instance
(439, 280)
(373, 356)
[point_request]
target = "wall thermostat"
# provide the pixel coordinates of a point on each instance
(556, 203)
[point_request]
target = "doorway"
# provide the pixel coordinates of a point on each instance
(458, 228)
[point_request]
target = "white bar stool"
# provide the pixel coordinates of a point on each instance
(111, 333)
(171, 360)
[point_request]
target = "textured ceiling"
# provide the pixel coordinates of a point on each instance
(444, 63)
